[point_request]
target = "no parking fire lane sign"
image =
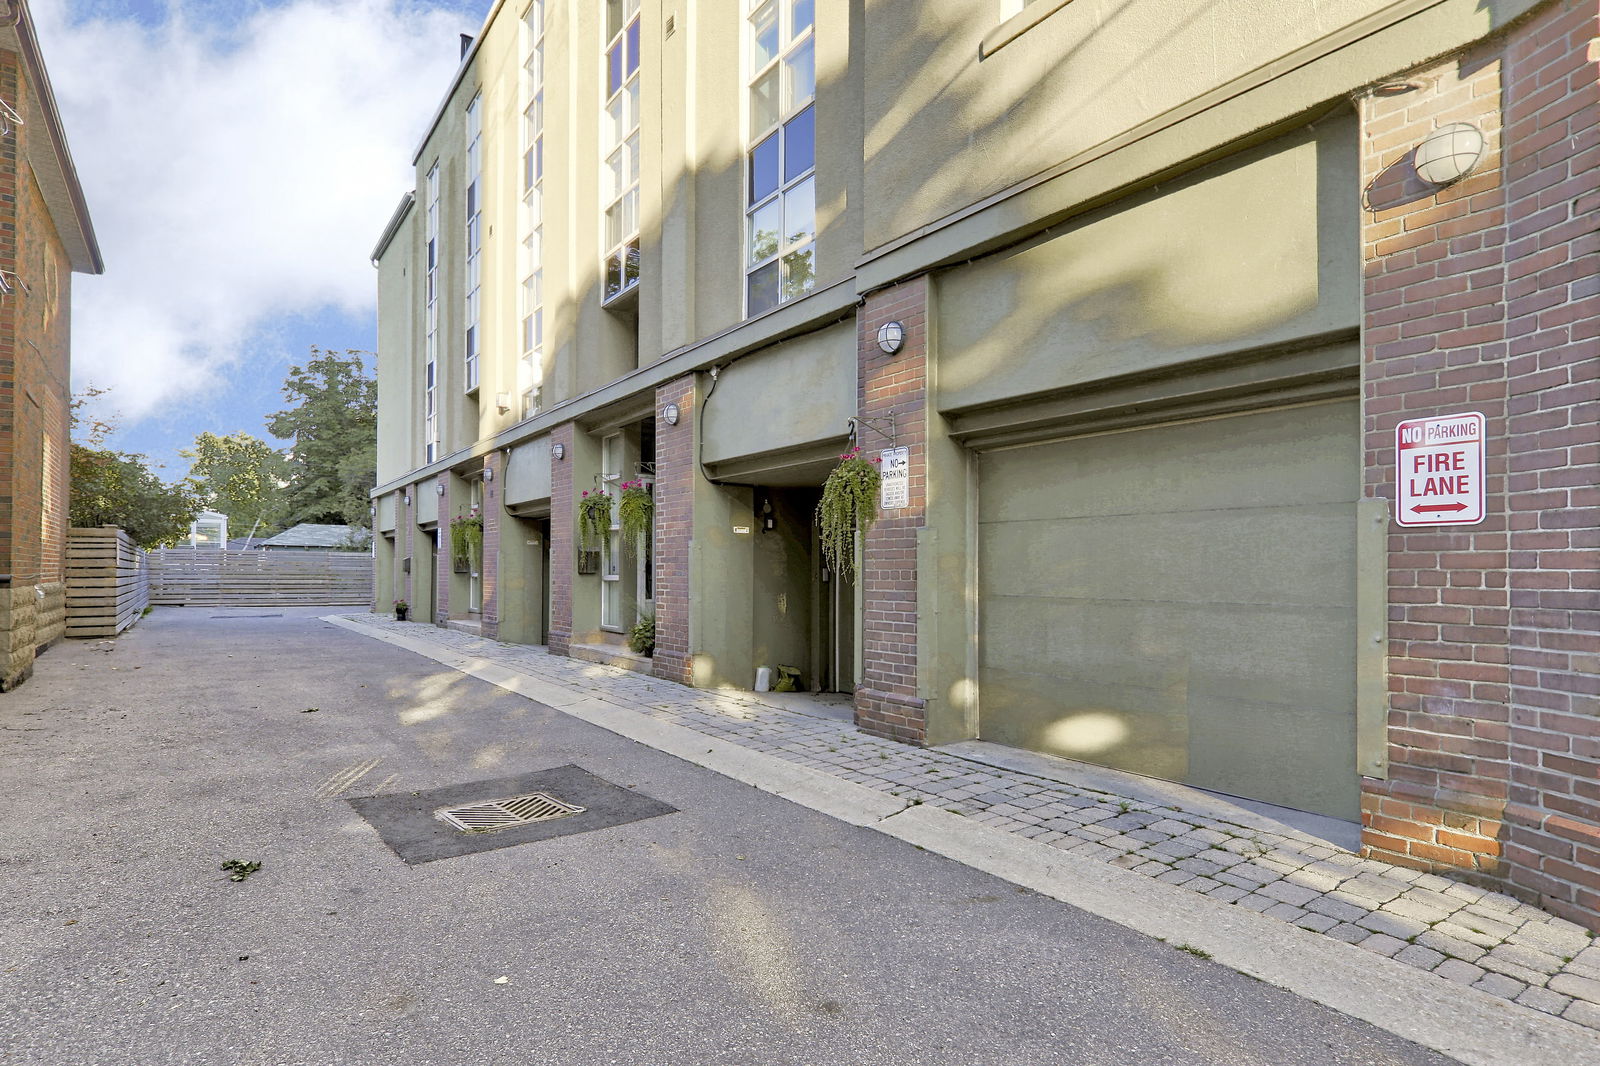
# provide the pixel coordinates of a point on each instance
(1440, 470)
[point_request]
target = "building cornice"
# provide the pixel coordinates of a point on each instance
(395, 221)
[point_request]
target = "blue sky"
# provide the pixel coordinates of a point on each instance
(239, 159)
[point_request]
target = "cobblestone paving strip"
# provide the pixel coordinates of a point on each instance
(1464, 934)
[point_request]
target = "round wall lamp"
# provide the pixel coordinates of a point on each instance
(373, 510)
(440, 488)
(1449, 153)
(670, 414)
(891, 337)
(558, 451)
(408, 499)
(488, 473)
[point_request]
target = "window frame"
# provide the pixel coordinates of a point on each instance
(472, 230)
(530, 361)
(626, 148)
(788, 45)
(430, 401)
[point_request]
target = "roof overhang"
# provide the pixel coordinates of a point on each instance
(396, 220)
(47, 150)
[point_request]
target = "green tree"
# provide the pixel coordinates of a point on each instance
(333, 424)
(111, 488)
(115, 488)
(242, 476)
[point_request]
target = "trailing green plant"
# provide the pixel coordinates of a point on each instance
(466, 537)
(849, 505)
(642, 637)
(636, 509)
(594, 522)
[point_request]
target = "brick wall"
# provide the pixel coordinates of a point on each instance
(563, 562)
(1475, 295)
(886, 700)
(676, 478)
(35, 372)
(489, 565)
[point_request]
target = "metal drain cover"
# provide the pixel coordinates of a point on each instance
(506, 813)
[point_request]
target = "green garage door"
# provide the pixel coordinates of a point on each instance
(1179, 601)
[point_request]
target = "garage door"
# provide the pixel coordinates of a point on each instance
(1179, 601)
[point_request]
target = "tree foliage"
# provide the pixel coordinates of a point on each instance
(243, 477)
(111, 488)
(332, 422)
(115, 488)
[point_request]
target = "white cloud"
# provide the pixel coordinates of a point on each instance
(236, 173)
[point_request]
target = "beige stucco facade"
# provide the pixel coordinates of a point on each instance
(1121, 238)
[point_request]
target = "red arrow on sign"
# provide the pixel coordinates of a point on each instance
(1439, 507)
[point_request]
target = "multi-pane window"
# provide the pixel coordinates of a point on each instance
(430, 392)
(530, 368)
(620, 141)
(474, 235)
(780, 195)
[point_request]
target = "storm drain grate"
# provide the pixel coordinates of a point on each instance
(505, 813)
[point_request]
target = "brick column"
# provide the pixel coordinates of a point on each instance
(1552, 824)
(444, 563)
(886, 700)
(563, 516)
(1480, 296)
(675, 488)
(489, 565)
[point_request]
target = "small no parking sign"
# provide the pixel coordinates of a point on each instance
(1439, 470)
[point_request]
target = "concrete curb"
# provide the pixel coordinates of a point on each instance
(1474, 1027)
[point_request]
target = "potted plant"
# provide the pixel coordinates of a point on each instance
(401, 610)
(466, 540)
(642, 637)
(636, 510)
(594, 522)
(849, 505)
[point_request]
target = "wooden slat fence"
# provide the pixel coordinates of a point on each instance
(108, 582)
(198, 577)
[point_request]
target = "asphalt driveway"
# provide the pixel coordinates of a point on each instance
(735, 928)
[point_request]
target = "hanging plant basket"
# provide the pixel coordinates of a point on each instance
(466, 541)
(636, 511)
(594, 523)
(849, 505)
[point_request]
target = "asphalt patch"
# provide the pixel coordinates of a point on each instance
(409, 824)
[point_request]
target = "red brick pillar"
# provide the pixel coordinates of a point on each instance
(489, 565)
(563, 529)
(1481, 296)
(444, 563)
(886, 700)
(1552, 824)
(676, 480)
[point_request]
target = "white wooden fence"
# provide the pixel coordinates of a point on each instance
(108, 582)
(199, 577)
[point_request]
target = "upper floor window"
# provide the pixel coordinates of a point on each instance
(474, 236)
(530, 367)
(430, 394)
(620, 143)
(780, 193)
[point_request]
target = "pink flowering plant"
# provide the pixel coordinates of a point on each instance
(636, 509)
(849, 505)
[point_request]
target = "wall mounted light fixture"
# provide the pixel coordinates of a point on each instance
(670, 414)
(439, 488)
(1449, 153)
(891, 337)
(408, 499)
(488, 473)
(558, 450)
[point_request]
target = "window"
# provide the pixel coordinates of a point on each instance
(620, 142)
(430, 394)
(530, 367)
(780, 194)
(474, 236)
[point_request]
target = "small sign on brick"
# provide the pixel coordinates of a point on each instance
(894, 479)
(1439, 470)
